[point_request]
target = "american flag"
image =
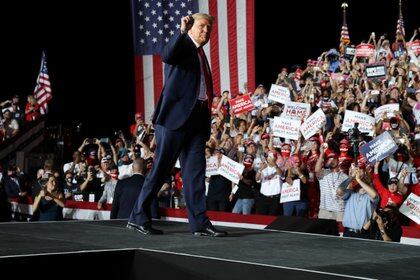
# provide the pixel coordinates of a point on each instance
(42, 90)
(344, 38)
(400, 25)
(230, 50)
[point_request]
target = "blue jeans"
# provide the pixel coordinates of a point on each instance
(244, 206)
(299, 207)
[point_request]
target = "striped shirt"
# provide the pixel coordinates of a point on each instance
(328, 184)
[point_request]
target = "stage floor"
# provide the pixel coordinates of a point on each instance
(328, 255)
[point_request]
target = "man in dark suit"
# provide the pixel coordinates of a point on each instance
(127, 191)
(182, 126)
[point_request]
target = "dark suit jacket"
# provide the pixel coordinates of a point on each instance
(12, 189)
(182, 83)
(125, 195)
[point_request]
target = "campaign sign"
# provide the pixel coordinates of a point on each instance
(415, 46)
(375, 71)
(286, 128)
(230, 169)
(212, 166)
(350, 51)
(279, 94)
(411, 208)
(379, 148)
(296, 110)
(365, 50)
(366, 122)
(290, 192)
(313, 124)
(241, 104)
(389, 109)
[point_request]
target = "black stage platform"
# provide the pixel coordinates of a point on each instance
(244, 254)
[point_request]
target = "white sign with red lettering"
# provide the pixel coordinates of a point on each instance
(411, 208)
(366, 122)
(286, 128)
(296, 110)
(313, 124)
(415, 46)
(241, 104)
(290, 192)
(212, 166)
(279, 94)
(365, 50)
(230, 169)
(389, 109)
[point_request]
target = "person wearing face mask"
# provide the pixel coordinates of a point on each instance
(330, 177)
(344, 159)
(109, 187)
(245, 194)
(389, 195)
(70, 189)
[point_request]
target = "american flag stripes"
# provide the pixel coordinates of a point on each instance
(344, 38)
(42, 92)
(400, 22)
(230, 50)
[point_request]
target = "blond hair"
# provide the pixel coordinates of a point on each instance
(208, 17)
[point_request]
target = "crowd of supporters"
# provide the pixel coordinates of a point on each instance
(333, 185)
(12, 116)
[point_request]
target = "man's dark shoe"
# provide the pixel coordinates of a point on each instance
(145, 229)
(210, 231)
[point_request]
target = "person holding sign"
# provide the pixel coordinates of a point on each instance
(245, 193)
(297, 172)
(269, 176)
(219, 188)
(389, 195)
(182, 126)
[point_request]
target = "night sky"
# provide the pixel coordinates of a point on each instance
(90, 54)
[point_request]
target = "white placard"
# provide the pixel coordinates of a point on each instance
(271, 184)
(296, 110)
(279, 94)
(388, 108)
(230, 169)
(212, 166)
(290, 192)
(286, 128)
(411, 207)
(375, 92)
(366, 122)
(313, 124)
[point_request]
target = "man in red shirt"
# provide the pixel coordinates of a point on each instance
(390, 195)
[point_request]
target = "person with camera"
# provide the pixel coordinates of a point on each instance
(50, 201)
(384, 225)
(70, 188)
(91, 186)
(361, 200)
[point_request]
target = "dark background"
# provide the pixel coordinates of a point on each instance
(90, 54)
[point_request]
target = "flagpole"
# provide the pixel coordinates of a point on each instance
(344, 5)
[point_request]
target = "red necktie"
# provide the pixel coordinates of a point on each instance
(207, 76)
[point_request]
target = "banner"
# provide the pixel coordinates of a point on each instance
(230, 169)
(279, 94)
(415, 46)
(212, 166)
(389, 109)
(379, 148)
(411, 208)
(313, 124)
(241, 104)
(365, 50)
(290, 192)
(366, 123)
(350, 51)
(286, 128)
(296, 110)
(375, 71)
